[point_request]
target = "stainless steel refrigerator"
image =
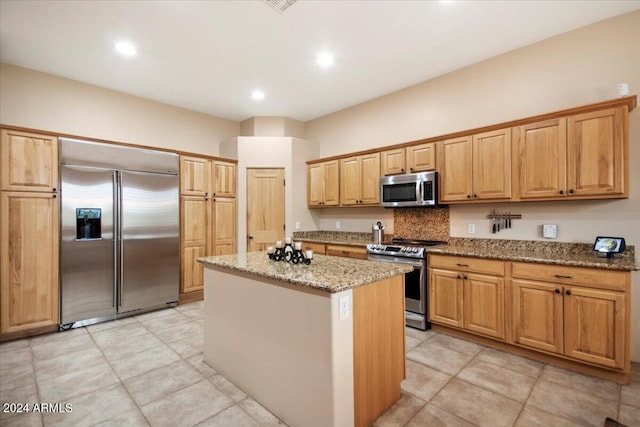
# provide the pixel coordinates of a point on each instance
(119, 246)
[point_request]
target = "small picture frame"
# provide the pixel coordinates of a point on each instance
(609, 245)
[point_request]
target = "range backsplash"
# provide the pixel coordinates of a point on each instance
(422, 223)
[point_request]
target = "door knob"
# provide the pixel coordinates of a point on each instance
(250, 236)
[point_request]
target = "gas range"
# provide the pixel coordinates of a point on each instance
(405, 248)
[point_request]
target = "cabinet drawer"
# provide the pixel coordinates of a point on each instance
(317, 248)
(477, 265)
(605, 279)
(347, 251)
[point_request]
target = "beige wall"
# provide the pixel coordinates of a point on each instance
(271, 126)
(575, 68)
(42, 101)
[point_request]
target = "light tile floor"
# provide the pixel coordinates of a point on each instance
(148, 370)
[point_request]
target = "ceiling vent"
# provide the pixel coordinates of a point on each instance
(279, 5)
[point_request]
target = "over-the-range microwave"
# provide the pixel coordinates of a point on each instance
(412, 189)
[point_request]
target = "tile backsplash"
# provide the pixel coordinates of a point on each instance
(422, 223)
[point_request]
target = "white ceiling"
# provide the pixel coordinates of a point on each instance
(209, 56)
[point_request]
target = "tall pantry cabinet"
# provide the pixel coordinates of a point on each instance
(28, 234)
(207, 218)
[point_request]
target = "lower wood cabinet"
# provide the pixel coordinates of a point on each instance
(577, 312)
(577, 316)
(317, 248)
(347, 251)
(29, 258)
(463, 295)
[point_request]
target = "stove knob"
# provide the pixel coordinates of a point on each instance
(415, 250)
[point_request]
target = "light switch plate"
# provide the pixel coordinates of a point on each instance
(550, 231)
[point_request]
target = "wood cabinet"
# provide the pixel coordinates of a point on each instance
(360, 180)
(347, 251)
(467, 293)
(411, 159)
(29, 259)
(476, 167)
(392, 162)
(580, 313)
(29, 162)
(207, 217)
(317, 248)
(580, 156)
(421, 157)
(323, 185)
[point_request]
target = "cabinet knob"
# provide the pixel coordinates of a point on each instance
(571, 191)
(568, 292)
(557, 291)
(475, 195)
(402, 170)
(458, 276)
(468, 196)
(54, 196)
(561, 191)
(54, 189)
(464, 277)
(411, 169)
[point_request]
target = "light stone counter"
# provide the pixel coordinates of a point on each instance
(558, 253)
(325, 273)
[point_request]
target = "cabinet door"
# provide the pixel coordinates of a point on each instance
(393, 162)
(484, 304)
(492, 165)
(445, 297)
(29, 162)
(315, 184)
(224, 212)
(192, 270)
(350, 181)
(195, 176)
(596, 152)
(29, 258)
(594, 326)
(537, 315)
(455, 173)
(542, 159)
(194, 220)
(370, 168)
(331, 184)
(224, 179)
(421, 157)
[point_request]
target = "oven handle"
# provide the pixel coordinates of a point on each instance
(396, 260)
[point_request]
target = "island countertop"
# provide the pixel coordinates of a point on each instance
(325, 273)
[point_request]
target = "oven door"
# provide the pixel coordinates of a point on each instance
(414, 282)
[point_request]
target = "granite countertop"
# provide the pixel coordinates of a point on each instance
(557, 253)
(335, 237)
(325, 273)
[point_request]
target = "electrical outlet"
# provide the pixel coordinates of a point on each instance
(549, 231)
(297, 225)
(345, 307)
(337, 225)
(471, 228)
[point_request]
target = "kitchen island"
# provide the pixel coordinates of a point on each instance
(318, 345)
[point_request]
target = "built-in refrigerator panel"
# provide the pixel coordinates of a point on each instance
(87, 243)
(149, 220)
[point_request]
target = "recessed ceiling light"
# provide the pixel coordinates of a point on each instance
(324, 59)
(126, 48)
(257, 95)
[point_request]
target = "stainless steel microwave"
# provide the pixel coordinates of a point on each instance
(412, 189)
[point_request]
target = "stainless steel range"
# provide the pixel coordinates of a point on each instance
(410, 252)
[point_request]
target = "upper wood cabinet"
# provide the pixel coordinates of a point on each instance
(412, 159)
(323, 185)
(421, 158)
(596, 152)
(195, 176)
(29, 161)
(393, 162)
(224, 179)
(29, 258)
(360, 180)
(476, 167)
(580, 156)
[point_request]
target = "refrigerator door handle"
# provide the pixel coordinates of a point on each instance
(116, 234)
(120, 242)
